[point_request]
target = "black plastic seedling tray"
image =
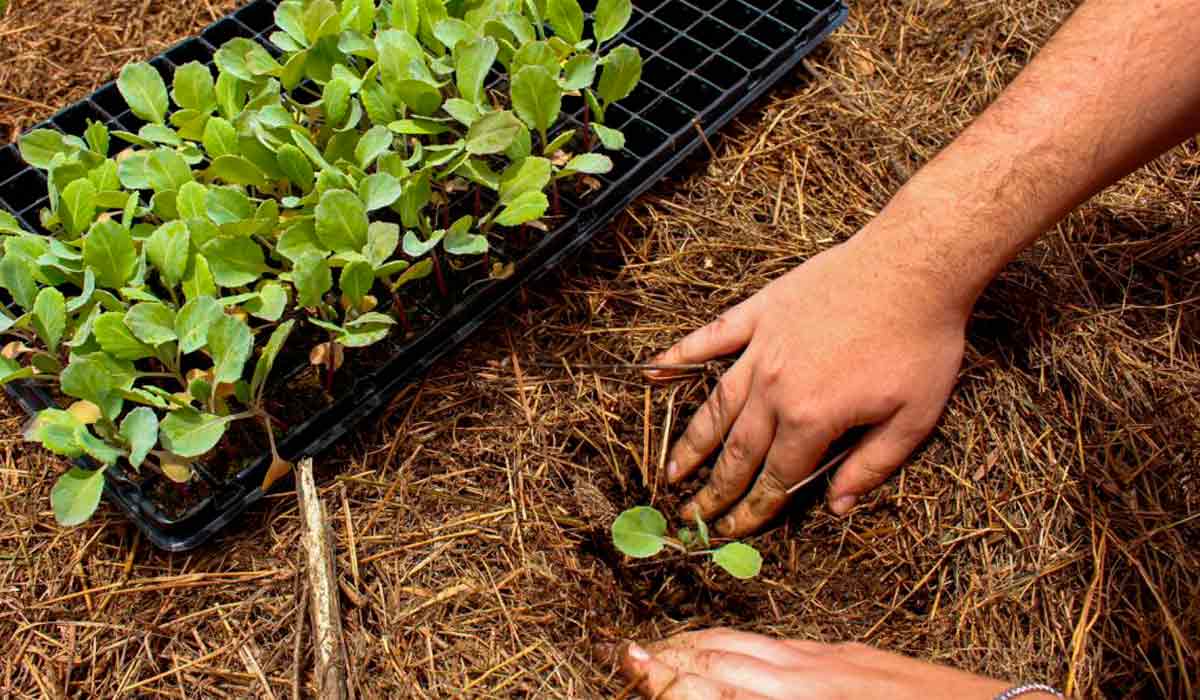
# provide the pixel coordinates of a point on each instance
(703, 65)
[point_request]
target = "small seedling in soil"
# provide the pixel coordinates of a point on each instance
(286, 190)
(641, 533)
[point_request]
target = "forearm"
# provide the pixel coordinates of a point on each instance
(1117, 85)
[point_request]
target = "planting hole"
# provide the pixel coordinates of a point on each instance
(794, 14)
(696, 93)
(685, 52)
(642, 95)
(712, 33)
(109, 99)
(643, 138)
(670, 116)
(258, 16)
(680, 14)
(747, 51)
(737, 14)
(662, 74)
(74, 119)
(651, 33)
(772, 33)
(225, 30)
(188, 51)
(722, 72)
(26, 188)
(10, 160)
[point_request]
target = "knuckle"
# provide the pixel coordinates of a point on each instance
(737, 452)
(796, 417)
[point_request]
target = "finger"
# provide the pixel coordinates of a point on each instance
(740, 458)
(661, 681)
(711, 422)
(745, 673)
(793, 455)
(778, 652)
(880, 452)
(726, 335)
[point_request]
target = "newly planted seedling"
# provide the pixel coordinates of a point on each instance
(641, 533)
(306, 187)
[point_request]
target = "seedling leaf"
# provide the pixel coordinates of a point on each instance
(75, 495)
(640, 532)
(740, 560)
(140, 429)
(144, 90)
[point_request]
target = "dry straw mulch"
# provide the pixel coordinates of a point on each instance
(1047, 531)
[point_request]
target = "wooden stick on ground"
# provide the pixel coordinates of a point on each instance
(324, 610)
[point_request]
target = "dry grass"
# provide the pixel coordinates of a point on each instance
(1047, 531)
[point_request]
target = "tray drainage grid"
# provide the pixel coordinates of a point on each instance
(703, 64)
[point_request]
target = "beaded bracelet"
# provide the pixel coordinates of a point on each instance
(1017, 691)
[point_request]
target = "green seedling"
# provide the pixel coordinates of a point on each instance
(304, 189)
(641, 533)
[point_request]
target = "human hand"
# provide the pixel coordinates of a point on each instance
(722, 664)
(850, 338)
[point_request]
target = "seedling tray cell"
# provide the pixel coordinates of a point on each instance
(702, 66)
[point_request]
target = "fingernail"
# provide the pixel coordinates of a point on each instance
(672, 470)
(843, 504)
(637, 653)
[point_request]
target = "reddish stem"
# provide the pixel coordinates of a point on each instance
(523, 236)
(403, 315)
(557, 206)
(437, 273)
(587, 126)
(446, 216)
(478, 203)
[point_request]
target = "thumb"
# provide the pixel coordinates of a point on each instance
(880, 453)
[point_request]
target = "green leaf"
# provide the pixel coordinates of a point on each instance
(374, 143)
(117, 340)
(246, 60)
(16, 275)
(535, 53)
(189, 433)
(414, 246)
(612, 139)
(640, 532)
(152, 323)
(227, 204)
(295, 166)
(321, 18)
(536, 97)
(421, 97)
(530, 174)
(492, 133)
(356, 280)
(266, 360)
(406, 15)
(108, 250)
(579, 72)
(451, 31)
(85, 294)
(473, 60)
(559, 142)
(382, 239)
(50, 317)
(191, 201)
(168, 250)
(194, 320)
(39, 147)
(336, 101)
(57, 431)
(235, 262)
(99, 378)
(166, 170)
(341, 223)
(367, 329)
(740, 560)
(379, 190)
(144, 90)
(77, 207)
(229, 342)
(289, 17)
(140, 430)
(97, 448)
(460, 241)
(610, 18)
(312, 279)
(566, 17)
(76, 495)
(590, 163)
(702, 528)
(236, 170)
(220, 137)
(620, 75)
(524, 208)
(193, 87)
(270, 302)
(418, 127)
(462, 111)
